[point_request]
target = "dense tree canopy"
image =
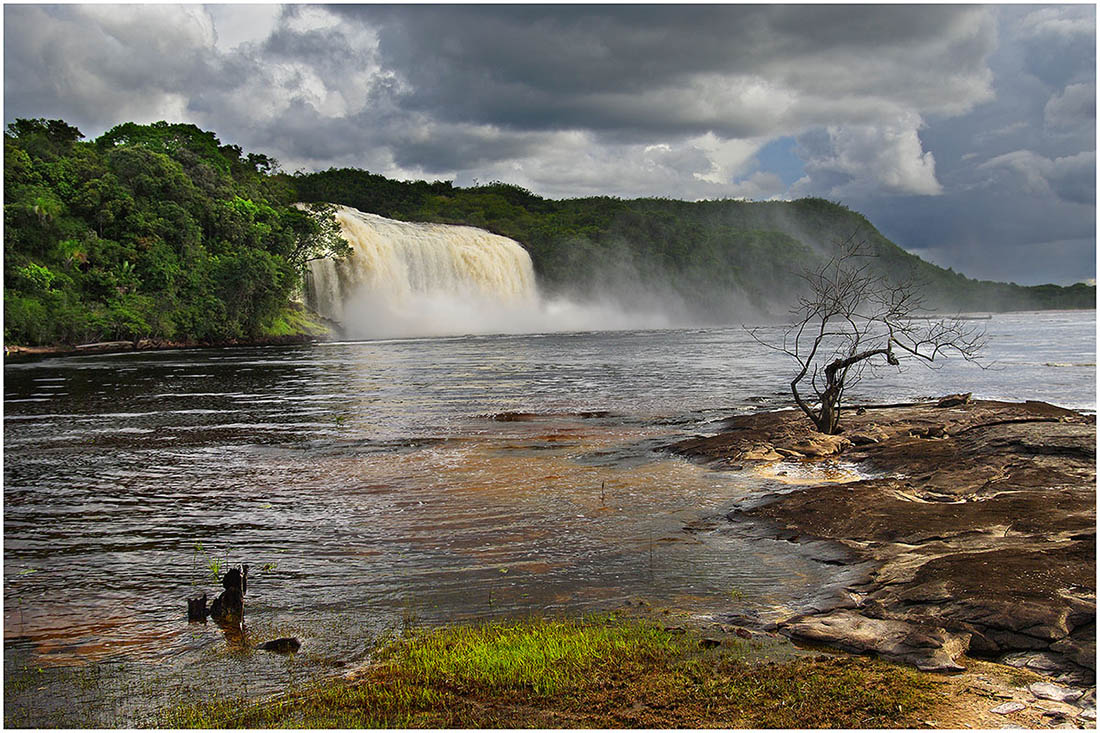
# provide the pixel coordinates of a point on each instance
(149, 231)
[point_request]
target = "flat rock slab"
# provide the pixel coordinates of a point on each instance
(1048, 691)
(1008, 707)
(982, 527)
(928, 649)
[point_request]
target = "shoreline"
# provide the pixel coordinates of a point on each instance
(19, 352)
(564, 673)
(32, 353)
(974, 536)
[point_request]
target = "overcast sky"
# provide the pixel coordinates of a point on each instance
(966, 134)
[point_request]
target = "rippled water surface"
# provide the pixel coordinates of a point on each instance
(367, 483)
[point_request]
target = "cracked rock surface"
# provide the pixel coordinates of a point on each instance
(980, 527)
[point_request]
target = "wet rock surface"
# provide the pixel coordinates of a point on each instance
(980, 529)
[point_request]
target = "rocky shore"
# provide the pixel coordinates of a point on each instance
(972, 533)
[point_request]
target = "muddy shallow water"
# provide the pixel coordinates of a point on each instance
(367, 484)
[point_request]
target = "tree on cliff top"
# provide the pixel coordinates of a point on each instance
(850, 321)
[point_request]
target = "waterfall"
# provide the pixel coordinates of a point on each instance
(410, 279)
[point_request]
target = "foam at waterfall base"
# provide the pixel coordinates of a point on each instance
(369, 316)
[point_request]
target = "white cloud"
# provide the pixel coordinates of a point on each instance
(1060, 21)
(1070, 178)
(309, 18)
(861, 159)
(164, 29)
(237, 25)
(728, 158)
(1073, 106)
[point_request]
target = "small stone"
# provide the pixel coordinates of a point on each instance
(1008, 707)
(286, 645)
(1088, 714)
(954, 400)
(709, 643)
(822, 445)
(743, 633)
(1048, 691)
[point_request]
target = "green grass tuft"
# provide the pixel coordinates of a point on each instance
(544, 656)
(596, 673)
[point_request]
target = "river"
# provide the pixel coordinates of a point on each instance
(373, 484)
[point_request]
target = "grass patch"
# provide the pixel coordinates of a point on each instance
(597, 673)
(544, 657)
(295, 321)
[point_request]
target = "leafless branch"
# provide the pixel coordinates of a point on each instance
(851, 321)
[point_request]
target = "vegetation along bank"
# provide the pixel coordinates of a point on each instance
(161, 233)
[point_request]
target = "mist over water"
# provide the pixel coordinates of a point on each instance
(407, 279)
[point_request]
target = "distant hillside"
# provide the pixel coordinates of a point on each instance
(715, 255)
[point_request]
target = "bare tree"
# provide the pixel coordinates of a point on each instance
(851, 321)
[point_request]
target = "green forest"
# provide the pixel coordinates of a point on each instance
(150, 232)
(162, 232)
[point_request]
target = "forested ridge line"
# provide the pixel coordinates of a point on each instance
(701, 248)
(163, 232)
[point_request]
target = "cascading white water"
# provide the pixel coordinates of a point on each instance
(405, 279)
(409, 279)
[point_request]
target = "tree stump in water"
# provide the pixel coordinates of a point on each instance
(228, 608)
(196, 608)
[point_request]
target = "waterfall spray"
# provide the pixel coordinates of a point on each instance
(406, 279)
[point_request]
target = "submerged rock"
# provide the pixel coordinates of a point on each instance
(285, 645)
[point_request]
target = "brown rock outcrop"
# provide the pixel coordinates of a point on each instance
(982, 527)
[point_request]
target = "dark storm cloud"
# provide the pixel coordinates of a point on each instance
(1019, 172)
(965, 131)
(622, 74)
(673, 69)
